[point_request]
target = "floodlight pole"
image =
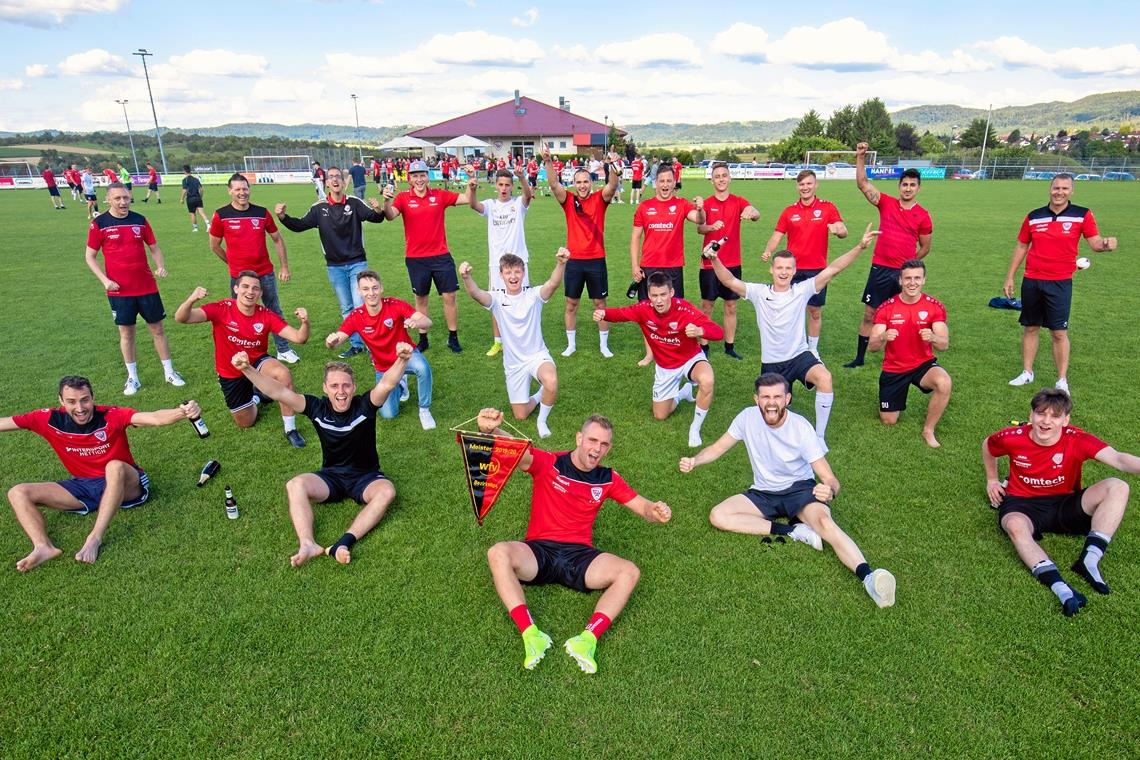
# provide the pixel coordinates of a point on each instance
(134, 156)
(142, 53)
(356, 111)
(985, 137)
(950, 145)
(606, 122)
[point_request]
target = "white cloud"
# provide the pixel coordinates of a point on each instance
(902, 92)
(274, 90)
(9, 85)
(529, 18)
(38, 71)
(220, 63)
(743, 41)
(662, 49)
(1118, 60)
(496, 84)
(96, 62)
(48, 13)
(479, 48)
(575, 53)
(407, 63)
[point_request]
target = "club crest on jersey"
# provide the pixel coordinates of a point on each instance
(431, 199)
(1066, 225)
(672, 325)
(923, 314)
(596, 493)
(256, 223)
(258, 327)
(1058, 457)
(388, 322)
(136, 229)
(673, 208)
(816, 213)
(101, 435)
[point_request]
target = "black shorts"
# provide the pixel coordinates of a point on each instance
(786, 503)
(678, 185)
(820, 298)
(636, 183)
(89, 492)
(152, 186)
(91, 197)
(376, 178)
(590, 273)
(72, 186)
(793, 369)
(53, 190)
(676, 274)
(882, 283)
(438, 269)
(712, 289)
(533, 180)
(1050, 514)
(127, 185)
(348, 482)
(562, 563)
(894, 386)
(239, 391)
(193, 204)
(1046, 303)
(126, 309)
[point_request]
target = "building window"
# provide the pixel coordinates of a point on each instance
(562, 144)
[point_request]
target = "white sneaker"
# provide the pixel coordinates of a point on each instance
(194, 228)
(569, 351)
(694, 437)
(804, 533)
(289, 357)
(606, 352)
(405, 393)
(880, 585)
(175, 379)
(1062, 384)
(1025, 378)
(427, 422)
(131, 387)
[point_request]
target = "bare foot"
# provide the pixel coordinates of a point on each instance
(931, 441)
(90, 551)
(646, 361)
(343, 555)
(39, 555)
(306, 552)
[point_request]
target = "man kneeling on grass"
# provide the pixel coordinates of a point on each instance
(345, 423)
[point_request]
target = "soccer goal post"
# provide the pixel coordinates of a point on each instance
(260, 164)
(18, 169)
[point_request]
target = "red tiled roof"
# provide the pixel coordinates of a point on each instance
(500, 120)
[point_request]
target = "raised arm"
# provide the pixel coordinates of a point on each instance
(697, 215)
(727, 278)
(551, 285)
(708, 454)
(880, 337)
(612, 177)
(390, 211)
(844, 261)
(839, 229)
(616, 314)
(292, 223)
(861, 181)
(1020, 250)
(552, 177)
(702, 326)
(166, 416)
(267, 385)
(472, 187)
(490, 423)
(295, 334)
(372, 211)
(187, 313)
(526, 190)
(473, 290)
(466, 196)
(652, 511)
(392, 377)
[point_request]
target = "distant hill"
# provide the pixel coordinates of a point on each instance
(315, 132)
(732, 132)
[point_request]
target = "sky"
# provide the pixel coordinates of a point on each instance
(66, 62)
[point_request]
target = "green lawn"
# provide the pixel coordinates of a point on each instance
(192, 636)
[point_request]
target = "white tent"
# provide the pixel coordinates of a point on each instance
(405, 142)
(464, 141)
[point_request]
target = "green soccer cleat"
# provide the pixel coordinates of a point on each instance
(536, 643)
(581, 648)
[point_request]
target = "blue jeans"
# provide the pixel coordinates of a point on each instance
(343, 279)
(419, 367)
(270, 301)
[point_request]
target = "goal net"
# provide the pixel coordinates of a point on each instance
(18, 169)
(260, 164)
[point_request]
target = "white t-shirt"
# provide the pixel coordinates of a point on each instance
(505, 234)
(520, 322)
(782, 319)
(779, 456)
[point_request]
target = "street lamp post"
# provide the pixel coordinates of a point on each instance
(134, 156)
(142, 53)
(356, 112)
(606, 122)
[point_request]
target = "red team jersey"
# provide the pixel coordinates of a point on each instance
(49, 177)
(585, 225)
(666, 332)
(1036, 470)
(908, 351)
(565, 501)
(235, 332)
(806, 228)
(899, 229)
(424, 233)
(638, 169)
(84, 450)
(663, 244)
(124, 255)
(727, 211)
(382, 332)
(244, 233)
(110, 175)
(1053, 240)
(152, 175)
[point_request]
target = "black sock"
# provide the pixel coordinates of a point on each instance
(728, 347)
(1096, 540)
(347, 541)
(453, 333)
(779, 529)
(1047, 574)
(861, 352)
(862, 571)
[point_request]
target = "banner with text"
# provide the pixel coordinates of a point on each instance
(489, 461)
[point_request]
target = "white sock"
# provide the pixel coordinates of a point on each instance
(290, 422)
(698, 418)
(499, 339)
(133, 371)
(544, 412)
(571, 338)
(168, 366)
(604, 338)
(686, 392)
(813, 343)
(823, 403)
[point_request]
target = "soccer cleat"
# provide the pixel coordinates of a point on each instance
(1098, 586)
(581, 648)
(350, 352)
(295, 439)
(1062, 384)
(131, 387)
(1025, 378)
(194, 228)
(175, 379)
(405, 392)
(1073, 604)
(289, 356)
(495, 349)
(453, 344)
(731, 352)
(854, 363)
(806, 535)
(535, 642)
(427, 422)
(880, 585)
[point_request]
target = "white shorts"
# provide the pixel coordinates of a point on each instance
(667, 382)
(496, 279)
(518, 378)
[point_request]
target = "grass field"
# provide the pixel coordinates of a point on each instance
(193, 637)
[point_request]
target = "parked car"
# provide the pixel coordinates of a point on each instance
(960, 173)
(1090, 177)
(1119, 177)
